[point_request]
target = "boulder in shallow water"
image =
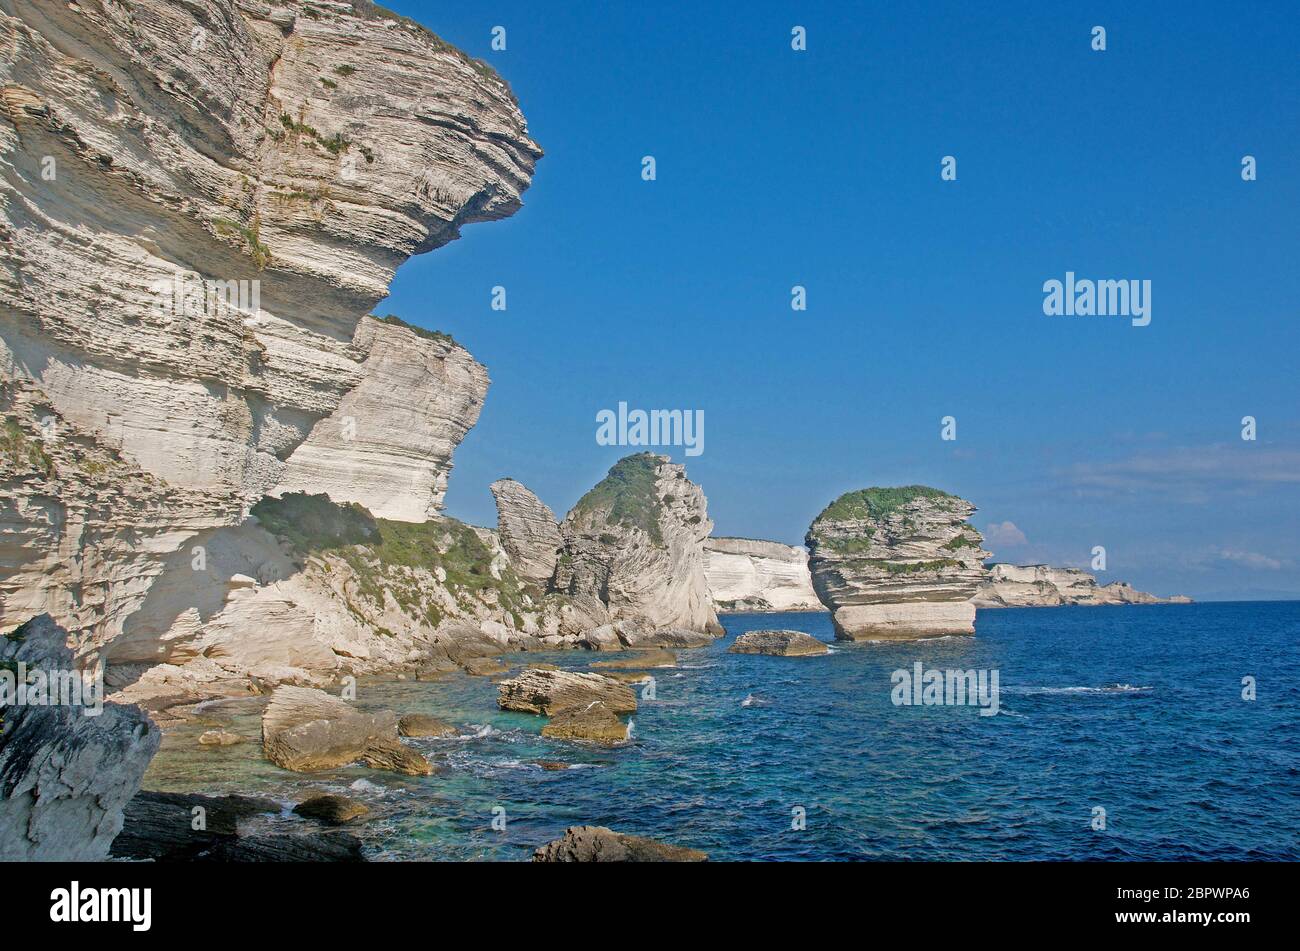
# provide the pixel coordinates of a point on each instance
(331, 810)
(599, 844)
(676, 638)
(304, 729)
(594, 724)
(421, 724)
(549, 691)
(779, 644)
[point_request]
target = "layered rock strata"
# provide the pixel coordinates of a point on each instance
(548, 692)
(306, 730)
(1010, 586)
(635, 542)
(897, 563)
(528, 531)
(199, 205)
(744, 574)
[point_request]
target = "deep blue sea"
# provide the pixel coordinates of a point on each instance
(1136, 710)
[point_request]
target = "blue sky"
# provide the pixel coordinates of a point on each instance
(822, 168)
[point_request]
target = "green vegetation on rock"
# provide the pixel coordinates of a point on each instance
(311, 523)
(911, 567)
(395, 557)
(961, 541)
(628, 496)
(877, 502)
(21, 452)
(418, 331)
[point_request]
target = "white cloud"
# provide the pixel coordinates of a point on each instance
(1251, 559)
(1005, 535)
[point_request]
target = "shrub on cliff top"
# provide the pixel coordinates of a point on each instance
(418, 331)
(628, 495)
(877, 502)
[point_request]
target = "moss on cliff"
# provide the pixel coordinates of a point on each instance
(396, 557)
(628, 495)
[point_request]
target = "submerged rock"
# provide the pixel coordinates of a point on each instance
(331, 810)
(305, 730)
(600, 844)
(897, 563)
(219, 738)
(64, 776)
(778, 643)
(595, 723)
(549, 691)
(420, 724)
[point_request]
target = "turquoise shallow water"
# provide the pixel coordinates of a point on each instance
(1134, 709)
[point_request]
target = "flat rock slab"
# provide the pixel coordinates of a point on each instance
(306, 730)
(331, 810)
(594, 724)
(599, 844)
(642, 660)
(549, 691)
(677, 638)
(779, 644)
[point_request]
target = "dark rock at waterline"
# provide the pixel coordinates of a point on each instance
(64, 776)
(600, 844)
(779, 644)
(331, 810)
(311, 847)
(161, 826)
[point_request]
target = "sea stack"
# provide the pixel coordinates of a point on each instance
(897, 563)
(636, 542)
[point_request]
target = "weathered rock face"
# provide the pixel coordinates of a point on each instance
(778, 644)
(306, 730)
(748, 575)
(636, 542)
(897, 563)
(199, 204)
(548, 692)
(389, 443)
(600, 844)
(64, 776)
(528, 530)
(1042, 586)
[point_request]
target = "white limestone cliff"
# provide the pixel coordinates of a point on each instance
(745, 574)
(1043, 586)
(897, 563)
(199, 205)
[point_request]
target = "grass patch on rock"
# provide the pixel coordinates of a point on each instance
(627, 496)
